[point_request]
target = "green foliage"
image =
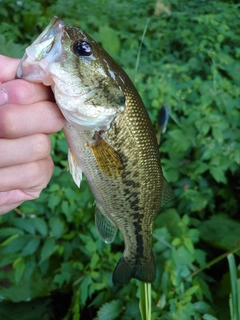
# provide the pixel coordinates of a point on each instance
(110, 310)
(51, 255)
(234, 298)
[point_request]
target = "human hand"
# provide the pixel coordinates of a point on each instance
(27, 115)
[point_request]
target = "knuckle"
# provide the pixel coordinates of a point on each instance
(22, 93)
(8, 122)
(41, 172)
(42, 145)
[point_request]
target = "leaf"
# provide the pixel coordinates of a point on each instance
(31, 246)
(110, 40)
(110, 310)
(221, 232)
(188, 244)
(182, 257)
(9, 240)
(182, 140)
(31, 310)
(84, 289)
(209, 317)
(36, 286)
(202, 307)
(193, 235)
(57, 227)
(218, 174)
(40, 225)
(200, 257)
(53, 202)
(47, 249)
(191, 291)
(53, 187)
(5, 232)
(9, 48)
(66, 274)
(19, 266)
(25, 224)
(170, 219)
(201, 168)
(30, 267)
(8, 259)
(17, 244)
(132, 309)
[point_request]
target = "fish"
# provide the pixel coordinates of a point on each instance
(110, 137)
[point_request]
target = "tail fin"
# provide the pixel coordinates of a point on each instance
(124, 272)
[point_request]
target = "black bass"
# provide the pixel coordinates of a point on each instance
(110, 138)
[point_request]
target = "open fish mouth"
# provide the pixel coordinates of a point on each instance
(47, 48)
(48, 60)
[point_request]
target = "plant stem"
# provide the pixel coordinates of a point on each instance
(214, 261)
(234, 287)
(145, 301)
(140, 48)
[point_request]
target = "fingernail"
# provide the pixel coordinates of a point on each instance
(3, 96)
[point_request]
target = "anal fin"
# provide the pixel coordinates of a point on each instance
(105, 226)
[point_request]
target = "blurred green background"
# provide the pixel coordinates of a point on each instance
(184, 54)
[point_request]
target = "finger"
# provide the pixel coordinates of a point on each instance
(23, 150)
(12, 199)
(22, 92)
(34, 175)
(8, 67)
(24, 120)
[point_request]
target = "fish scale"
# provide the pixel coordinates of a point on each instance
(146, 196)
(110, 138)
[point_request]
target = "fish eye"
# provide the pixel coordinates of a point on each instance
(82, 48)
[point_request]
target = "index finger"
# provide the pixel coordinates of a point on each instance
(8, 67)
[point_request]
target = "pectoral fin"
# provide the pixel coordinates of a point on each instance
(74, 168)
(107, 158)
(105, 227)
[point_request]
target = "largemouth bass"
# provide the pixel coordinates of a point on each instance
(110, 138)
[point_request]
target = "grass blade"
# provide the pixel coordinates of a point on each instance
(234, 287)
(214, 261)
(145, 301)
(140, 48)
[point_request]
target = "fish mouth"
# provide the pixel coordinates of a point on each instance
(44, 50)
